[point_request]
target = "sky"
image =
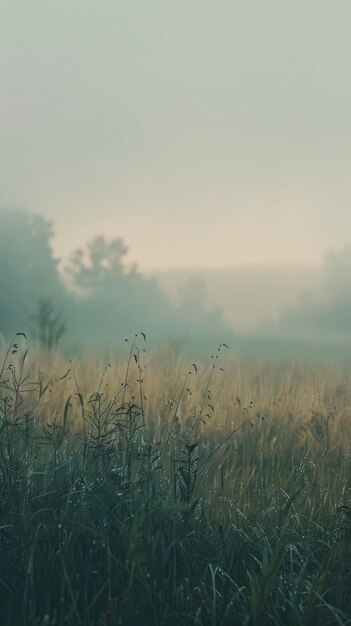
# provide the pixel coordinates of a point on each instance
(206, 133)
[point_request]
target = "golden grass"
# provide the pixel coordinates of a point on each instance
(299, 396)
(254, 461)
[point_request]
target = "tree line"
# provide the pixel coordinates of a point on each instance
(94, 298)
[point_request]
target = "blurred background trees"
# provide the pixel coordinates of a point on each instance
(99, 298)
(95, 299)
(28, 269)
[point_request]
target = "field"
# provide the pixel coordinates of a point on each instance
(157, 490)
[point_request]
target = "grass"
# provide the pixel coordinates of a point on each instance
(158, 491)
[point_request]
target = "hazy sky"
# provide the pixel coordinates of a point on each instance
(205, 133)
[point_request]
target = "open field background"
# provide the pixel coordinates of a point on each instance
(154, 489)
(182, 168)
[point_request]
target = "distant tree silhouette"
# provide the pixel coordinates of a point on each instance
(327, 312)
(107, 300)
(50, 326)
(28, 269)
(113, 299)
(100, 265)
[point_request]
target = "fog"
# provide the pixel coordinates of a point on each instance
(96, 299)
(248, 296)
(210, 140)
(323, 314)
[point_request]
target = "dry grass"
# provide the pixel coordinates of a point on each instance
(157, 490)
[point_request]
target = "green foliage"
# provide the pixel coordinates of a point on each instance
(99, 292)
(28, 269)
(104, 261)
(109, 515)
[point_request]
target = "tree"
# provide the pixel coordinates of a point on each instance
(113, 299)
(28, 269)
(102, 264)
(50, 325)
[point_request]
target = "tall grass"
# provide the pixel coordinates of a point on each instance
(159, 491)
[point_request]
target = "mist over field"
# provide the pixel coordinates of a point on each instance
(175, 313)
(212, 141)
(96, 298)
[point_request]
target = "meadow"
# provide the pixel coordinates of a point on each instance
(153, 489)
